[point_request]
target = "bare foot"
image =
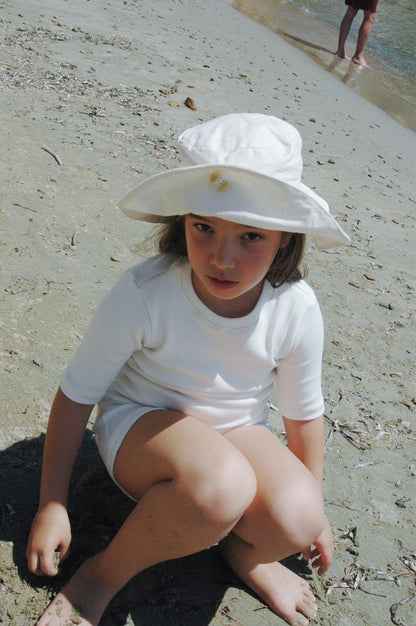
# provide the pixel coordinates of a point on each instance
(80, 603)
(284, 592)
(360, 61)
(61, 611)
(342, 55)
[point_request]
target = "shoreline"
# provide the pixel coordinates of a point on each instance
(104, 89)
(379, 85)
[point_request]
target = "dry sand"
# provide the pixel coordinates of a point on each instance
(102, 86)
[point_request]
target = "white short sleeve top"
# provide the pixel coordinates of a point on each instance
(153, 342)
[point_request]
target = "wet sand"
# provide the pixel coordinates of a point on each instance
(382, 85)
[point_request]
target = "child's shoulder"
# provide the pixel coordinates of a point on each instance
(293, 302)
(296, 292)
(151, 269)
(297, 307)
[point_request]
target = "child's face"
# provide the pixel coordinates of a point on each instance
(229, 262)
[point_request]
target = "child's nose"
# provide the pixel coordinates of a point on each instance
(224, 255)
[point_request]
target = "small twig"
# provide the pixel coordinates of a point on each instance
(343, 428)
(74, 236)
(395, 607)
(27, 208)
(410, 564)
(52, 153)
(225, 610)
(350, 508)
(338, 403)
(369, 464)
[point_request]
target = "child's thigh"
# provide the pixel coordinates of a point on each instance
(268, 456)
(167, 445)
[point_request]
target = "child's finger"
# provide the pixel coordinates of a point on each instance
(47, 565)
(306, 554)
(32, 562)
(320, 561)
(64, 550)
(41, 565)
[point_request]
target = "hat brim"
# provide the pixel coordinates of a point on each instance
(235, 194)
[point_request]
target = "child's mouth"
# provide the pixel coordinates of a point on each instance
(222, 283)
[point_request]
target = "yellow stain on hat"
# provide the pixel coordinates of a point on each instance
(218, 181)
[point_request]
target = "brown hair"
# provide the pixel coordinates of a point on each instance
(285, 266)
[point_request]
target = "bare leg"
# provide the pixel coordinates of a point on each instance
(192, 486)
(344, 30)
(363, 35)
(285, 517)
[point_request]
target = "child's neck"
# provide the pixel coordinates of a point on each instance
(230, 308)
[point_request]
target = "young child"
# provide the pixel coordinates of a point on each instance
(181, 357)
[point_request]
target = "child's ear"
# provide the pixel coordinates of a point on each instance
(286, 237)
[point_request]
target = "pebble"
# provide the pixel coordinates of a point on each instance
(190, 104)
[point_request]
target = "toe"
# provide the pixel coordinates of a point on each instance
(308, 608)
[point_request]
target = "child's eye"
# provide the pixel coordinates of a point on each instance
(252, 236)
(204, 228)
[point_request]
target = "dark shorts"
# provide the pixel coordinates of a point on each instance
(365, 5)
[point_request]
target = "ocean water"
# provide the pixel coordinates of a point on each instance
(393, 36)
(313, 26)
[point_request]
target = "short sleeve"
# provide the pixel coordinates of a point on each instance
(116, 331)
(299, 372)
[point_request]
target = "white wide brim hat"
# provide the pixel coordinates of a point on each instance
(245, 168)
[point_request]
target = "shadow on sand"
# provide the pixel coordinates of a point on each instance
(306, 43)
(179, 593)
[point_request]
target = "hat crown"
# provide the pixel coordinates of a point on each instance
(257, 142)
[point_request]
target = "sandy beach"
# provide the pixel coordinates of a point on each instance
(93, 97)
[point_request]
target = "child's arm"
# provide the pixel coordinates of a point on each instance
(51, 528)
(306, 440)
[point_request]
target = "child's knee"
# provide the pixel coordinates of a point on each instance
(306, 520)
(296, 515)
(225, 491)
(369, 17)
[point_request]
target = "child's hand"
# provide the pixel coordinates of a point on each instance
(51, 531)
(323, 552)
